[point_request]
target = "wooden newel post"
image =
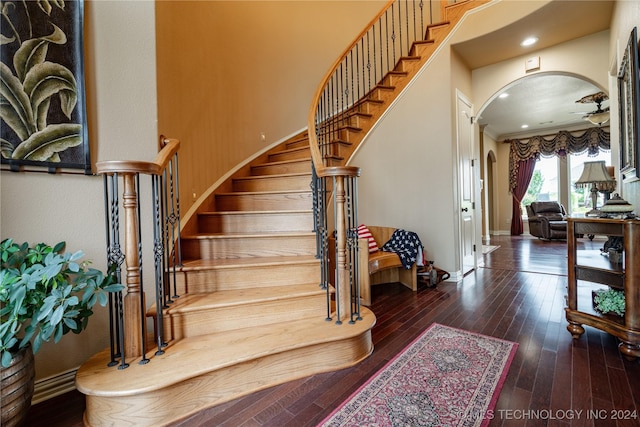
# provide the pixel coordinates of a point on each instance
(343, 298)
(133, 300)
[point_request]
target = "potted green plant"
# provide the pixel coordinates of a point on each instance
(609, 301)
(45, 292)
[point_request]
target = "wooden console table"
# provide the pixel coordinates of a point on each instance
(588, 270)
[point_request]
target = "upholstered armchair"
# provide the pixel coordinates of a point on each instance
(547, 220)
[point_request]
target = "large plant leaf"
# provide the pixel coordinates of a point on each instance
(15, 107)
(45, 5)
(34, 51)
(54, 139)
(45, 80)
(6, 148)
(6, 40)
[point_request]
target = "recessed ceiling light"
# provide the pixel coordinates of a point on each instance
(524, 126)
(529, 41)
(503, 95)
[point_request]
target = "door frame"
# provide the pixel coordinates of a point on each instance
(473, 175)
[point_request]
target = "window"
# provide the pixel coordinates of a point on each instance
(581, 197)
(544, 182)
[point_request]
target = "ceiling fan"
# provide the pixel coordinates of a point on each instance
(601, 115)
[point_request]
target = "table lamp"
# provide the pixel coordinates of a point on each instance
(596, 176)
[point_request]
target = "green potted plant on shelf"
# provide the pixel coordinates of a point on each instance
(609, 301)
(44, 292)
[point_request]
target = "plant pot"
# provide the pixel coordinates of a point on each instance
(16, 388)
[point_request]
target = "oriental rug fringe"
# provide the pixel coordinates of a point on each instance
(445, 377)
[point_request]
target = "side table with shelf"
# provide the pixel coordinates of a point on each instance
(588, 269)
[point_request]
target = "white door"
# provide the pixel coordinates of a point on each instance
(465, 179)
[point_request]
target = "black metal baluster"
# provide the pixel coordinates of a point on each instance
(158, 251)
(118, 257)
(172, 219)
(369, 61)
(113, 327)
(423, 36)
(143, 309)
(356, 269)
(335, 251)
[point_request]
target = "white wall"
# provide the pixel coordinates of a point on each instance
(36, 207)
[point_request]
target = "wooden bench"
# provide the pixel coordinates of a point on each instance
(379, 267)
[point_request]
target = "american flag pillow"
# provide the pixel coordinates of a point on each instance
(364, 233)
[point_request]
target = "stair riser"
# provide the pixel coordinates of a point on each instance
(382, 94)
(264, 202)
(373, 107)
(248, 247)
(301, 143)
(393, 79)
(221, 279)
(408, 65)
(191, 324)
(252, 223)
(282, 168)
(348, 133)
(162, 407)
(276, 183)
(422, 49)
(297, 154)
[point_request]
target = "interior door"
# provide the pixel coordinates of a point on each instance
(466, 189)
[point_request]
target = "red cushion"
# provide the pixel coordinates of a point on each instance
(364, 233)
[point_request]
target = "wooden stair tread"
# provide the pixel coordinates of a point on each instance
(282, 162)
(246, 193)
(235, 297)
(205, 264)
(283, 211)
(208, 353)
(282, 175)
(228, 235)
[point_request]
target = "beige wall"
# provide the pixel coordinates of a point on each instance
(229, 71)
(586, 57)
(36, 207)
(626, 15)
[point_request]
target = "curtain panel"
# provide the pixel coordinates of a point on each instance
(592, 140)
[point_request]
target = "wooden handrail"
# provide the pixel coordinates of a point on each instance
(170, 147)
(128, 312)
(316, 157)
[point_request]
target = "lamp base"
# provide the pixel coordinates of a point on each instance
(593, 212)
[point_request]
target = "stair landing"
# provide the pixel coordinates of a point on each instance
(209, 370)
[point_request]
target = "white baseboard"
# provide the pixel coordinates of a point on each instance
(455, 276)
(53, 386)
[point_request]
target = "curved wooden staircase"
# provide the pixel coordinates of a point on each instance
(251, 312)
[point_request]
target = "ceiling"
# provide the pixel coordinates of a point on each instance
(542, 101)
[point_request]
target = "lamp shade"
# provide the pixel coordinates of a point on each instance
(594, 173)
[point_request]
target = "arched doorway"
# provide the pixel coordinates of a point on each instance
(546, 103)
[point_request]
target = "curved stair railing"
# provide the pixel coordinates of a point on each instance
(352, 92)
(127, 309)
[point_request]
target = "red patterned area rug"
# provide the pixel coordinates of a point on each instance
(445, 377)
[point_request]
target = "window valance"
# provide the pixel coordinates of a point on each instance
(592, 140)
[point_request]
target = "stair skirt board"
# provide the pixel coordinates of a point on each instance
(173, 392)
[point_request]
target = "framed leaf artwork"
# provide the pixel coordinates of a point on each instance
(629, 104)
(42, 95)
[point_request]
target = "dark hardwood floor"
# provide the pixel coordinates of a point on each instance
(518, 296)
